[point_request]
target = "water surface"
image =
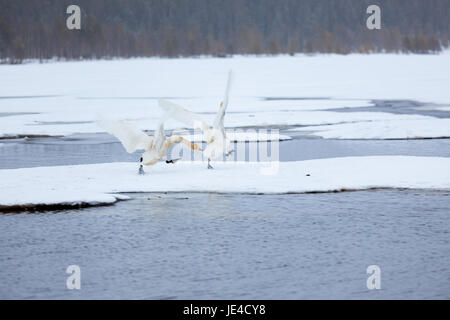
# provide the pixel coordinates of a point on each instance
(102, 148)
(198, 246)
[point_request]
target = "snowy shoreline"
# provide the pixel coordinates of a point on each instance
(50, 188)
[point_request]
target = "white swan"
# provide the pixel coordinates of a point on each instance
(132, 138)
(215, 137)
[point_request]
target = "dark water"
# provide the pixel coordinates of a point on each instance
(410, 107)
(400, 107)
(99, 148)
(234, 246)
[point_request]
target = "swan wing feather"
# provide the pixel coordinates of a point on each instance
(218, 122)
(131, 137)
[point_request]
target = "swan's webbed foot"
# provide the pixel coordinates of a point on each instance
(141, 169)
(209, 165)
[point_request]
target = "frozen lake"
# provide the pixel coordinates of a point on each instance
(207, 245)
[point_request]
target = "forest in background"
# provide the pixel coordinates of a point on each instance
(36, 29)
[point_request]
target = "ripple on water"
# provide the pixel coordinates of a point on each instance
(234, 246)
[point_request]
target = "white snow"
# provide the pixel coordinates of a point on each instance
(68, 96)
(355, 76)
(100, 183)
(426, 127)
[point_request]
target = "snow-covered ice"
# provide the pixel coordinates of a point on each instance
(103, 183)
(426, 127)
(80, 117)
(65, 97)
(78, 121)
(354, 76)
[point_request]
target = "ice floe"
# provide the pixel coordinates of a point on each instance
(424, 128)
(50, 124)
(95, 184)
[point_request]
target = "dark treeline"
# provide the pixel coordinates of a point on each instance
(124, 28)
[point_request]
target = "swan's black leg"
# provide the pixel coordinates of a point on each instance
(141, 169)
(229, 152)
(209, 165)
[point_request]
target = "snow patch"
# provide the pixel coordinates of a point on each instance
(99, 183)
(424, 128)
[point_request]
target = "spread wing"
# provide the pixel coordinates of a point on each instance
(181, 114)
(131, 137)
(218, 122)
(159, 135)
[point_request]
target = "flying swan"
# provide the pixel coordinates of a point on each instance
(132, 139)
(215, 137)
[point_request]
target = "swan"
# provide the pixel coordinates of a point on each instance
(132, 139)
(215, 136)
